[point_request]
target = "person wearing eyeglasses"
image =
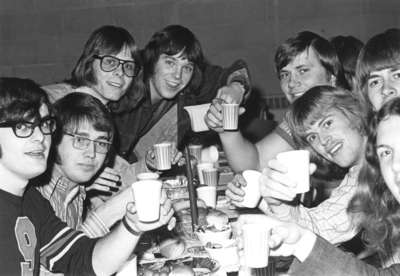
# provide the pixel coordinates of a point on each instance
(31, 234)
(106, 68)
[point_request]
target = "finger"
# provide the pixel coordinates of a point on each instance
(242, 110)
(98, 187)
(236, 199)
(131, 208)
(313, 168)
(234, 188)
(171, 224)
(275, 165)
(107, 183)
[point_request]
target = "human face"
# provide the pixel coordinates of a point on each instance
(25, 158)
(111, 86)
(334, 138)
(302, 73)
(171, 75)
(388, 151)
(80, 165)
(383, 85)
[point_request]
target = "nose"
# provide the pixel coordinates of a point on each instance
(293, 81)
(396, 165)
(325, 139)
(118, 70)
(91, 150)
(388, 90)
(37, 134)
(178, 72)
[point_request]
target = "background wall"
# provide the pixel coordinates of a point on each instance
(42, 39)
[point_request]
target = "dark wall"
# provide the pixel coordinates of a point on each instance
(41, 39)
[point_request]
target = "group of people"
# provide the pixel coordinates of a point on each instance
(91, 133)
(352, 126)
(86, 138)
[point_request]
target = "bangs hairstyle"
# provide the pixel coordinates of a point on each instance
(77, 108)
(106, 40)
(172, 40)
(373, 206)
(380, 52)
(316, 102)
(21, 99)
(323, 49)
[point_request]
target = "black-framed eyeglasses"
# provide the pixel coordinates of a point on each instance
(110, 63)
(24, 129)
(82, 143)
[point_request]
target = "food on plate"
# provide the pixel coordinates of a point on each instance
(172, 248)
(181, 270)
(217, 219)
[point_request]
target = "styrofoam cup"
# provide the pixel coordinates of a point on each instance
(195, 151)
(252, 189)
(255, 244)
(200, 168)
(208, 194)
(197, 114)
(298, 165)
(147, 194)
(162, 152)
(210, 176)
(230, 115)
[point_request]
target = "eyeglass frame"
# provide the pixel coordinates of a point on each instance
(120, 61)
(95, 142)
(31, 125)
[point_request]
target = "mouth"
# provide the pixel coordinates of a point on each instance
(115, 84)
(87, 166)
(38, 154)
(297, 94)
(173, 84)
(335, 148)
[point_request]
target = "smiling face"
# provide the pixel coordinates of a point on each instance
(80, 165)
(171, 75)
(388, 152)
(302, 73)
(111, 86)
(383, 85)
(336, 139)
(25, 158)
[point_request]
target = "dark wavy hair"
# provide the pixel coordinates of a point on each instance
(348, 48)
(106, 40)
(324, 50)
(21, 99)
(373, 207)
(380, 52)
(172, 40)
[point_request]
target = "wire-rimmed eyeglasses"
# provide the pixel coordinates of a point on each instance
(110, 63)
(82, 143)
(25, 129)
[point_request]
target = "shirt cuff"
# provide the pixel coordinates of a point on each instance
(93, 226)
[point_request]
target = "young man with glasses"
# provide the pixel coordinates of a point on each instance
(30, 233)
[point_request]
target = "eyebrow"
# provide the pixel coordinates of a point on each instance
(85, 134)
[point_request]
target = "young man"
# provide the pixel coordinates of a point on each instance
(30, 232)
(329, 122)
(301, 62)
(82, 145)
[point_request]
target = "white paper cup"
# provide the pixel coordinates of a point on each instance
(225, 255)
(200, 168)
(147, 194)
(195, 151)
(210, 176)
(197, 114)
(210, 154)
(255, 244)
(252, 189)
(230, 115)
(148, 176)
(208, 194)
(163, 156)
(298, 165)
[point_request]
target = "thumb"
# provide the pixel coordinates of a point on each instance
(313, 168)
(242, 110)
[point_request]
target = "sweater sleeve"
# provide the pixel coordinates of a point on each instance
(326, 259)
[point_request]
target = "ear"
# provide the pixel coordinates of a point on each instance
(332, 80)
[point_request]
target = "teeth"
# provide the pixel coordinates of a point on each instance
(335, 149)
(115, 84)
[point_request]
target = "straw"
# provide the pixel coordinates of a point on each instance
(192, 191)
